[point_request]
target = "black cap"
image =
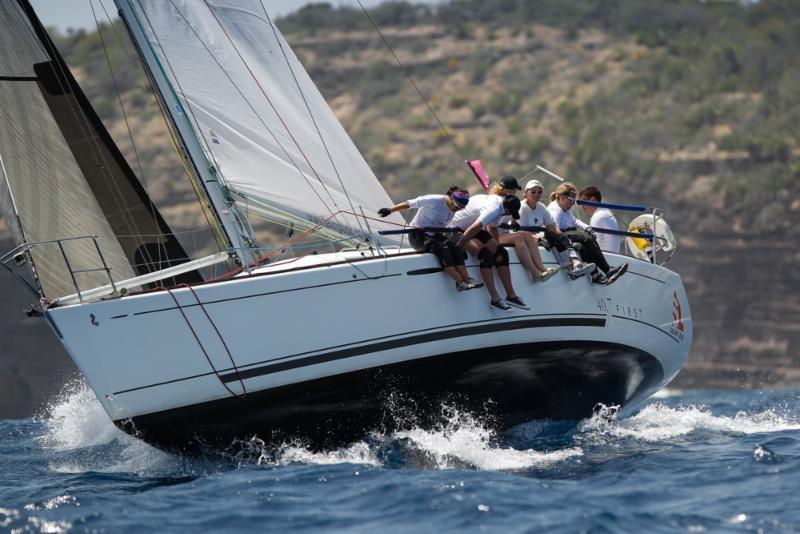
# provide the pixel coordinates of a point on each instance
(509, 182)
(511, 204)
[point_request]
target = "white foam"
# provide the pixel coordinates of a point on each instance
(464, 441)
(658, 422)
(356, 453)
(76, 420)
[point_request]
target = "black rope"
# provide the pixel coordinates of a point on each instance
(411, 79)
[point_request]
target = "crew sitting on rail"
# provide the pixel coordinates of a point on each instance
(525, 243)
(534, 214)
(601, 218)
(479, 237)
(436, 211)
(560, 207)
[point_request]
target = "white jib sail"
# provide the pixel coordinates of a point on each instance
(267, 127)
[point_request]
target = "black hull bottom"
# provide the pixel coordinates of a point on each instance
(508, 385)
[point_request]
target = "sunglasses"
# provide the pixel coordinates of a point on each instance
(535, 191)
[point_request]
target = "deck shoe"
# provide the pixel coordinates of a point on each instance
(548, 273)
(462, 286)
(599, 278)
(473, 284)
(580, 269)
(517, 303)
(613, 274)
(500, 305)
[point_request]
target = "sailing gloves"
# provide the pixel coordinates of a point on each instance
(384, 212)
(589, 232)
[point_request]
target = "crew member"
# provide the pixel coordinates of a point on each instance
(525, 244)
(436, 211)
(560, 207)
(480, 238)
(601, 218)
(534, 214)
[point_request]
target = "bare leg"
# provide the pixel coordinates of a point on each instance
(474, 246)
(523, 253)
(462, 272)
(505, 278)
(452, 273)
(533, 246)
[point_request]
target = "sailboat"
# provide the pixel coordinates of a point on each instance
(323, 347)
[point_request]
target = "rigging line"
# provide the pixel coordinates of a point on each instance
(411, 79)
(145, 250)
(86, 130)
(200, 344)
(311, 115)
(252, 108)
(213, 224)
(288, 243)
(263, 92)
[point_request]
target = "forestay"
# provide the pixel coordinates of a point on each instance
(259, 115)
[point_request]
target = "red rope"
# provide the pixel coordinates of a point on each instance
(243, 395)
(261, 259)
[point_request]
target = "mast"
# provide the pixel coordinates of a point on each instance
(238, 231)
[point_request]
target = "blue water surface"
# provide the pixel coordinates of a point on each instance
(695, 461)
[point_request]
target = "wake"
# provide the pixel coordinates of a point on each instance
(80, 438)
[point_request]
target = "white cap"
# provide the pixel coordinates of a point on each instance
(534, 183)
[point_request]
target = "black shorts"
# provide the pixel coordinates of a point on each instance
(443, 246)
(483, 236)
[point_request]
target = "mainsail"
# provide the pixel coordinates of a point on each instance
(270, 132)
(62, 176)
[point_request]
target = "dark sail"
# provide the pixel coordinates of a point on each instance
(35, 82)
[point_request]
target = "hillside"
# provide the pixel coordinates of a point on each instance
(691, 106)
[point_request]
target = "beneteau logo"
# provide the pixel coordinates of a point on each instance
(677, 317)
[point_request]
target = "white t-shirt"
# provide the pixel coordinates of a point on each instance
(537, 216)
(564, 219)
(486, 208)
(433, 211)
(602, 218)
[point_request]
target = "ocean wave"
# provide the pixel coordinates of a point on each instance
(660, 422)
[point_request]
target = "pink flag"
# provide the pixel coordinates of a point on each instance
(480, 174)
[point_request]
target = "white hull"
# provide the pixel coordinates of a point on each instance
(306, 322)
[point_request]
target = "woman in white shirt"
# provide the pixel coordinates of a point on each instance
(524, 243)
(560, 207)
(534, 214)
(436, 211)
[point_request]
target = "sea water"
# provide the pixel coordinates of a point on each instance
(693, 461)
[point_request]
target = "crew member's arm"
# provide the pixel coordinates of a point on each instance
(384, 212)
(553, 228)
(492, 229)
(470, 232)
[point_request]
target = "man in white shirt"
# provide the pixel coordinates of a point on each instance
(601, 218)
(433, 212)
(479, 236)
